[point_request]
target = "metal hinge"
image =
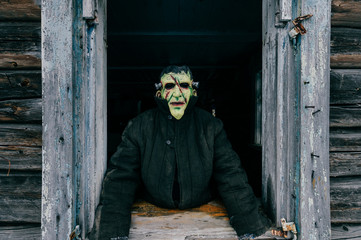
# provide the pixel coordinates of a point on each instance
(289, 229)
(74, 235)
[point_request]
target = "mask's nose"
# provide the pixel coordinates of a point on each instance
(177, 92)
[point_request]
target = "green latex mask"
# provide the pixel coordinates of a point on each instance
(177, 90)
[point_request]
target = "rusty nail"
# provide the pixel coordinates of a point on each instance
(309, 106)
(306, 83)
(316, 111)
(314, 155)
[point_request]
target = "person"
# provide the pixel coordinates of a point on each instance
(173, 153)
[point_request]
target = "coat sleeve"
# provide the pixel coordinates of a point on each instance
(232, 184)
(119, 186)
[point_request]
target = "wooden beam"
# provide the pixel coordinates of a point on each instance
(345, 200)
(24, 231)
(346, 231)
(345, 164)
(345, 139)
(20, 31)
(20, 10)
(21, 111)
(345, 86)
(20, 158)
(20, 135)
(345, 116)
(20, 197)
(346, 60)
(345, 41)
(16, 60)
(20, 84)
(346, 13)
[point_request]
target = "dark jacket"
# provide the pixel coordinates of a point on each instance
(155, 147)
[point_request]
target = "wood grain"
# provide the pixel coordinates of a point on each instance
(24, 60)
(345, 164)
(346, 60)
(346, 200)
(21, 111)
(20, 158)
(346, 231)
(20, 10)
(20, 197)
(345, 139)
(21, 135)
(28, 231)
(345, 41)
(346, 13)
(345, 86)
(345, 116)
(20, 84)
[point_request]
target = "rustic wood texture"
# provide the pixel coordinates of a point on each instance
(345, 164)
(345, 139)
(21, 111)
(20, 36)
(28, 232)
(345, 116)
(346, 61)
(20, 135)
(346, 231)
(20, 158)
(345, 41)
(14, 60)
(20, 197)
(345, 86)
(314, 69)
(345, 48)
(20, 10)
(345, 200)
(346, 13)
(20, 84)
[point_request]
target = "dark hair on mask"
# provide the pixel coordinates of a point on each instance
(177, 69)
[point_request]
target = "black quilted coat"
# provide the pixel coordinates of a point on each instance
(155, 147)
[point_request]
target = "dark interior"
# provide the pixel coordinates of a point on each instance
(219, 40)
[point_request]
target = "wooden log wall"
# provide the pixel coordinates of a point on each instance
(345, 119)
(20, 119)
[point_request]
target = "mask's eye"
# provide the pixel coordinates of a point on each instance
(169, 86)
(184, 85)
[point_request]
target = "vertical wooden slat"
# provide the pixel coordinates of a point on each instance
(314, 60)
(57, 75)
(286, 10)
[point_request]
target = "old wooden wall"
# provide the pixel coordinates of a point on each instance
(345, 119)
(20, 119)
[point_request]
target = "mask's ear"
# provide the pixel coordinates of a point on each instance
(194, 92)
(158, 94)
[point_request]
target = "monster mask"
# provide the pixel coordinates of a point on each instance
(177, 90)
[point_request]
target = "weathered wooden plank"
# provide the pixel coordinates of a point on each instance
(346, 231)
(20, 158)
(20, 197)
(20, 135)
(14, 60)
(20, 31)
(20, 10)
(345, 116)
(345, 139)
(346, 60)
(345, 164)
(28, 231)
(346, 200)
(24, 110)
(345, 41)
(20, 84)
(345, 86)
(346, 13)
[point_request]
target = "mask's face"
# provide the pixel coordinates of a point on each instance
(177, 90)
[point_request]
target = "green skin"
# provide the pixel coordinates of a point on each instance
(177, 97)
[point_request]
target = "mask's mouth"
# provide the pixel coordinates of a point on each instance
(177, 104)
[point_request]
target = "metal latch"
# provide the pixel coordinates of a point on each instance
(298, 28)
(289, 229)
(74, 235)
